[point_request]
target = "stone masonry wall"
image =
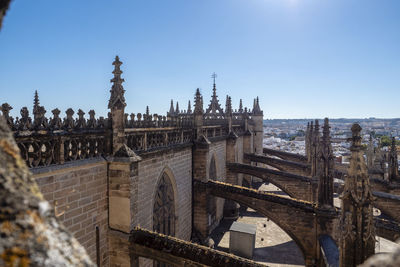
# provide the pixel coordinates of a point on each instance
(78, 193)
(179, 163)
(150, 170)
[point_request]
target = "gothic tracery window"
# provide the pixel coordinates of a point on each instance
(164, 207)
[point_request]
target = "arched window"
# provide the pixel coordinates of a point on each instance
(211, 201)
(164, 207)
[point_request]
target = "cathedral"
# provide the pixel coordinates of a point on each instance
(147, 189)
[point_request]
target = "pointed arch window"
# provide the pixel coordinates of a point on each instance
(164, 207)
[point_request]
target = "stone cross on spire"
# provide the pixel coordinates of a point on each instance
(117, 99)
(214, 106)
(214, 76)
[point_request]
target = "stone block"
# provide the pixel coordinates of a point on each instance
(242, 239)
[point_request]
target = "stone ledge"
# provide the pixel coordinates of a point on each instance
(69, 164)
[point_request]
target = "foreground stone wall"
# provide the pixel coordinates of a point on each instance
(78, 194)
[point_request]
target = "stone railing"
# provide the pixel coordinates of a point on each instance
(45, 141)
(147, 120)
(152, 138)
(45, 148)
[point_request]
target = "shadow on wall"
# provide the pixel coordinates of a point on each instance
(273, 254)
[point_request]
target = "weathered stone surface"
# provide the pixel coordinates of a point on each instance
(31, 234)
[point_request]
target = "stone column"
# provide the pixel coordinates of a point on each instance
(231, 208)
(117, 106)
(122, 172)
(247, 147)
(200, 213)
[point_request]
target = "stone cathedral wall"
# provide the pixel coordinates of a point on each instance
(178, 164)
(78, 194)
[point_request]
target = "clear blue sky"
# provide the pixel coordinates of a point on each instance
(303, 58)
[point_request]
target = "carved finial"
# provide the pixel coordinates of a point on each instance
(228, 105)
(147, 111)
(326, 128)
(177, 107)
(189, 110)
(356, 137)
(198, 102)
(36, 103)
(240, 106)
(117, 99)
(316, 128)
(69, 121)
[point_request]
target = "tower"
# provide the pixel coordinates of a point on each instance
(257, 117)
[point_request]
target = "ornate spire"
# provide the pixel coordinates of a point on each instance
(325, 170)
(256, 107)
(228, 105)
(189, 110)
(39, 120)
(307, 140)
(36, 103)
(214, 107)
(171, 108)
(357, 238)
(198, 102)
(177, 108)
(240, 106)
(314, 149)
(370, 153)
(117, 99)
